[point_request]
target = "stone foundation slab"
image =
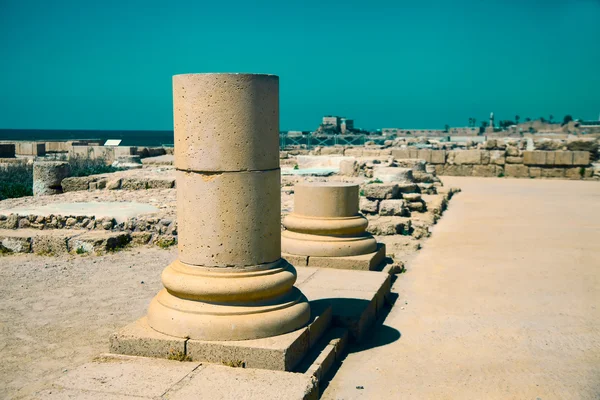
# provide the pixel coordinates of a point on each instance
(364, 262)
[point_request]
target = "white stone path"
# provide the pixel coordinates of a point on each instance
(503, 302)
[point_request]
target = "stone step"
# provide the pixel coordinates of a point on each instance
(57, 242)
(328, 353)
(126, 377)
(278, 353)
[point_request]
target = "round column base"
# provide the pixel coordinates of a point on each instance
(327, 246)
(200, 320)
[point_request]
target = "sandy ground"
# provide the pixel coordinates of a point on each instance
(57, 312)
(503, 302)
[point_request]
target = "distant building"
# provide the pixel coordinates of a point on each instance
(460, 131)
(346, 125)
(332, 120)
(332, 124)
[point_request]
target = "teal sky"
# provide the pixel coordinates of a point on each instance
(85, 64)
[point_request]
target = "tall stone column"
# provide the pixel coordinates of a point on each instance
(229, 282)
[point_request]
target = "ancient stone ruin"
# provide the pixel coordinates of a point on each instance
(326, 229)
(229, 282)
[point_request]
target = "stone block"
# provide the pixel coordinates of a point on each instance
(512, 151)
(583, 144)
(16, 241)
(470, 157)
(165, 183)
(575, 173)
(514, 160)
(439, 169)
(516, 171)
(550, 158)
(228, 103)
(376, 152)
(114, 184)
(563, 158)
(95, 241)
(332, 150)
(408, 188)
(534, 157)
(393, 208)
(458, 170)
(389, 226)
(52, 242)
(133, 184)
(363, 262)
(367, 206)
(353, 152)
(485, 157)
(412, 197)
(252, 192)
(393, 174)
(438, 157)
(295, 259)
(416, 206)
(119, 377)
(485, 170)
(400, 154)
(348, 167)
(581, 158)
(535, 172)
(138, 339)
(74, 184)
(222, 382)
(413, 152)
(381, 191)
(553, 172)
(497, 157)
(425, 154)
(282, 352)
(355, 296)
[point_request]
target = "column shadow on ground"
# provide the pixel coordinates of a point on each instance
(378, 335)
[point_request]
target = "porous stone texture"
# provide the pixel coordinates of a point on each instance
(393, 208)
(229, 282)
(48, 175)
(233, 214)
(367, 206)
(209, 110)
(466, 157)
(516, 170)
(363, 262)
(390, 174)
(326, 199)
(381, 191)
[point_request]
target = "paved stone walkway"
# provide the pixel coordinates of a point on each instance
(503, 302)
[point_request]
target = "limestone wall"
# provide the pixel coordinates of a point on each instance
(511, 162)
(111, 154)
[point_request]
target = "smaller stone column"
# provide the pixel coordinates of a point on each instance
(47, 176)
(326, 229)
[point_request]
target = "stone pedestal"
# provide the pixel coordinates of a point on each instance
(229, 282)
(326, 229)
(47, 176)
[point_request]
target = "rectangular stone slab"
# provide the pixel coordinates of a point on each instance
(364, 262)
(113, 377)
(357, 297)
(281, 352)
